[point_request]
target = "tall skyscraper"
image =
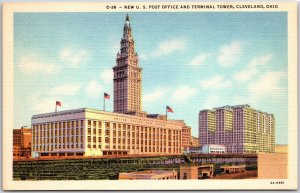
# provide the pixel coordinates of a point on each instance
(127, 75)
(240, 128)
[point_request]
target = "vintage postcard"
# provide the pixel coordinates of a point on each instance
(150, 96)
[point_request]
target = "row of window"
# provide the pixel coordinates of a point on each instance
(76, 139)
(59, 132)
(123, 140)
(52, 147)
(64, 124)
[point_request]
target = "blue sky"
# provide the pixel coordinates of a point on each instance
(191, 61)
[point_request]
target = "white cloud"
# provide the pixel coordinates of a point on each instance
(212, 101)
(107, 76)
(34, 64)
(72, 57)
(156, 95)
(70, 89)
(262, 60)
(253, 67)
(216, 82)
(200, 59)
(94, 89)
(182, 94)
(268, 85)
(245, 75)
(230, 53)
(166, 48)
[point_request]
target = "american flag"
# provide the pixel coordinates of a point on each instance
(169, 109)
(106, 96)
(58, 103)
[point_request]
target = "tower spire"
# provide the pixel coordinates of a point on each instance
(127, 23)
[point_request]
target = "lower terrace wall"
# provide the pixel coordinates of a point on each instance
(106, 168)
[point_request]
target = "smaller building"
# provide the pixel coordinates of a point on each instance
(186, 136)
(149, 175)
(157, 116)
(196, 172)
(194, 141)
(206, 149)
(193, 150)
(22, 142)
(205, 171)
(213, 149)
(233, 169)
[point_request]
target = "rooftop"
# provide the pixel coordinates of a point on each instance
(71, 113)
(82, 110)
(227, 107)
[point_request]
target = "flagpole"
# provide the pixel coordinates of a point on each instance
(103, 103)
(166, 114)
(55, 107)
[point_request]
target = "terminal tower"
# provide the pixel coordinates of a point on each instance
(127, 76)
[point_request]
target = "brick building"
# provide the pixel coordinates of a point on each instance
(186, 136)
(22, 142)
(194, 141)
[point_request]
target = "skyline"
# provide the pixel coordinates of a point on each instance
(250, 51)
